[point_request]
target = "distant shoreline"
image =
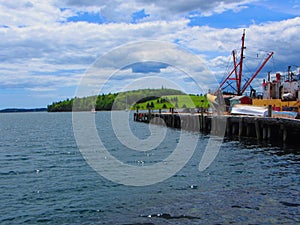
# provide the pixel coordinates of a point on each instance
(14, 110)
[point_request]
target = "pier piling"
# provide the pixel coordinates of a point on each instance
(261, 128)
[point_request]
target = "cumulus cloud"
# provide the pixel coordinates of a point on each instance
(32, 56)
(168, 9)
(75, 46)
(27, 13)
(42, 50)
(157, 9)
(144, 59)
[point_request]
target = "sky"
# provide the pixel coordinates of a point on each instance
(48, 49)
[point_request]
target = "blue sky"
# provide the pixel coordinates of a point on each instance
(47, 47)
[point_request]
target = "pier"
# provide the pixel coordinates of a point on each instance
(262, 128)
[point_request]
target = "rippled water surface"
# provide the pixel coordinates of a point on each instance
(44, 179)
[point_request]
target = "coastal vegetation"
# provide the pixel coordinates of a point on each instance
(13, 110)
(142, 99)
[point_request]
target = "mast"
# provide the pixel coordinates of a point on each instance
(238, 70)
(235, 67)
(241, 65)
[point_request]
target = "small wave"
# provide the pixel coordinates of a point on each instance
(140, 224)
(244, 207)
(15, 172)
(290, 204)
(43, 220)
(170, 217)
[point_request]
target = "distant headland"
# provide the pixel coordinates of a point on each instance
(14, 110)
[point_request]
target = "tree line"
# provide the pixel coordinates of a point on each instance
(110, 101)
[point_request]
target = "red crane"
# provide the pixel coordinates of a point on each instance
(238, 70)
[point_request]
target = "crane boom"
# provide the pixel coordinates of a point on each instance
(255, 74)
(238, 70)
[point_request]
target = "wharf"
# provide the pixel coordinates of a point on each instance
(262, 128)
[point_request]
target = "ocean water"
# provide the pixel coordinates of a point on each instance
(44, 178)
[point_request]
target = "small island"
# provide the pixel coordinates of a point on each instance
(141, 99)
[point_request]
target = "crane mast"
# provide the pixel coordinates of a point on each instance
(238, 70)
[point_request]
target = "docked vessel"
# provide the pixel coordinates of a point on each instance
(280, 92)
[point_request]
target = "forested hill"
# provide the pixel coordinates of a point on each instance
(117, 101)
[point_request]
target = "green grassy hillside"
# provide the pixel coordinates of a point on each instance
(174, 101)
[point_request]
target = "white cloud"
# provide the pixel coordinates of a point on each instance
(41, 89)
(113, 11)
(48, 50)
(157, 53)
(73, 46)
(41, 51)
(27, 13)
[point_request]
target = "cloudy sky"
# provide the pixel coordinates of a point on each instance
(48, 47)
